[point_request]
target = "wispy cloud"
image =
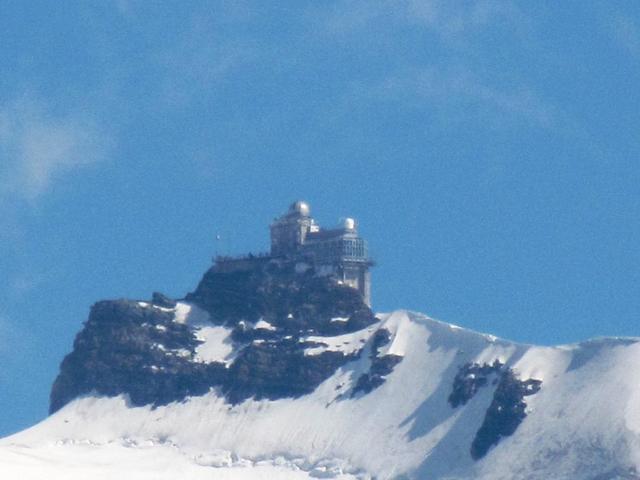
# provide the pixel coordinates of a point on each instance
(451, 20)
(204, 53)
(24, 283)
(458, 92)
(39, 145)
(455, 85)
(124, 7)
(627, 33)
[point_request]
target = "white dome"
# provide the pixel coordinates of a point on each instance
(301, 207)
(349, 224)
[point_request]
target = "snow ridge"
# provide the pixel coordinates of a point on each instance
(583, 423)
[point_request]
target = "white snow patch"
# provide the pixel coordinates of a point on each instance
(190, 314)
(398, 326)
(339, 319)
(348, 343)
(217, 345)
(140, 462)
(150, 305)
(264, 325)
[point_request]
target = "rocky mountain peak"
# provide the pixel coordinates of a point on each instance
(262, 317)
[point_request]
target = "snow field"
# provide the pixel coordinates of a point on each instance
(584, 421)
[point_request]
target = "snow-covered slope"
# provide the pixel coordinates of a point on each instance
(582, 423)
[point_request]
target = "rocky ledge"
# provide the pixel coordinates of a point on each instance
(143, 350)
(507, 409)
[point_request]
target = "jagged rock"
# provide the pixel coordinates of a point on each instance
(127, 348)
(506, 412)
(291, 300)
(507, 409)
(137, 349)
(380, 368)
(381, 338)
(381, 365)
(161, 300)
(278, 370)
(469, 379)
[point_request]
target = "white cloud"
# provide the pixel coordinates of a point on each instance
(204, 53)
(627, 34)
(440, 90)
(453, 85)
(24, 283)
(451, 20)
(124, 8)
(38, 146)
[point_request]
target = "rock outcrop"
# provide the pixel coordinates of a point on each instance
(139, 349)
(507, 409)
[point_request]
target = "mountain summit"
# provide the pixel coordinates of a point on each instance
(276, 367)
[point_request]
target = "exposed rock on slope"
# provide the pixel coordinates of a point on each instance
(134, 349)
(507, 410)
(381, 365)
(276, 293)
(149, 351)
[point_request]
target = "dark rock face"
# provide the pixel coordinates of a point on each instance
(381, 365)
(293, 302)
(506, 412)
(278, 370)
(507, 409)
(138, 349)
(380, 368)
(162, 300)
(126, 348)
(469, 379)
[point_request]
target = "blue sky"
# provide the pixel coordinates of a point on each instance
(488, 149)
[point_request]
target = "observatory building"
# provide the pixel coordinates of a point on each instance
(296, 237)
(338, 252)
